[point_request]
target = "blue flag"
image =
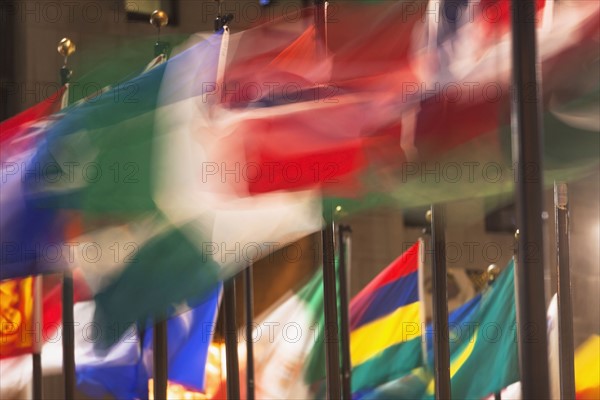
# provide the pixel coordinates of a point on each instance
(124, 369)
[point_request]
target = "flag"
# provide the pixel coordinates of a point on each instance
(152, 225)
(170, 172)
(20, 124)
(486, 360)
(29, 234)
(123, 369)
(587, 369)
(285, 343)
(385, 325)
(413, 383)
(482, 344)
(189, 337)
(16, 317)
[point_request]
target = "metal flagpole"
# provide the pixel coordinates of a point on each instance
(66, 47)
(38, 339)
(160, 345)
(68, 335)
(421, 280)
(492, 274)
(344, 233)
(332, 351)
(231, 355)
(565, 308)
(527, 153)
(441, 346)
(331, 330)
(229, 308)
(249, 325)
(160, 357)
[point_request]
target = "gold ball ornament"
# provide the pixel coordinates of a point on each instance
(159, 18)
(428, 216)
(517, 234)
(493, 271)
(66, 47)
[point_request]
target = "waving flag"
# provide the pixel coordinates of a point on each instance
(123, 369)
(31, 237)
(385, 324)
(196, 163)
(16, 317)
(487, 343)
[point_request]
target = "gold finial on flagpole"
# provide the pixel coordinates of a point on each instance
(428, 216)
(158, 19)
(66, 47)
(492, 272)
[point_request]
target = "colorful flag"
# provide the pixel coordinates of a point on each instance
(486, 359)
(385, 324)
(17, 333)
(31, 237)
(413, 384)
(285, 340)
(123, 370)
(169, 165)
(152, 223)
(587, 369)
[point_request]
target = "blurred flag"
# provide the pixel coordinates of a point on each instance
(17, 331)
(486, 359)
(31, 237)
(192, 162)
(25, 122)
(587, 369)
(189, 337)
(587, 365)
(385, 324)
(123, 370)
(414, 382)
(162, 230)
(483, 349)
(285, 343)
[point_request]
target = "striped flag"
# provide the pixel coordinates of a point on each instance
(385, 323)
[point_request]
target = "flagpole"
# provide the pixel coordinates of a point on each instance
(38, 339)
(66, 47)
(331, 330)
(231, 355)
(229, 307)
(160, 350)
(344, 233)
(332, 351)
(565, 308)
(422, 308)
(441, 346)
(160, 358)
(249, 325)
(527, 154)
(68, 335)
(492, 274)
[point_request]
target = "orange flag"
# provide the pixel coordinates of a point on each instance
(16, 317)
